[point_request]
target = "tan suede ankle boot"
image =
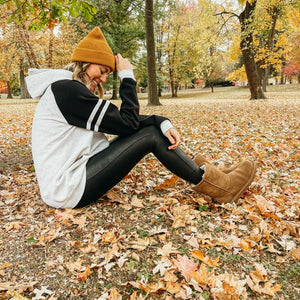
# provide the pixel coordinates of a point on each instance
(200, 160)
(225, 188)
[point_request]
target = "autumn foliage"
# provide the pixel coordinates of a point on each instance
(152, 234)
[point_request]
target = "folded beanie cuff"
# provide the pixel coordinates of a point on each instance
(94, 56)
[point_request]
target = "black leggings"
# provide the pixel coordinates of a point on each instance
(105, 169)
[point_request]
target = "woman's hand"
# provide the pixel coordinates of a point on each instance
(174, 137)
(122, 63)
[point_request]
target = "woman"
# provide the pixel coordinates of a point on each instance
(74, 162)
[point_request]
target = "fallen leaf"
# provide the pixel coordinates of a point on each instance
(140, 244)
(166, 250)
(39, 293)
(202, 275)
(137, 203)
(108, 237)
(185, 266)
(295, 253)
(260, 273)
(266, 288)
(84, 275)
(210, 262)
(16, 296)
(14, 226)
(161, 266)
(114, 295)
(168, 183)
(173, 287)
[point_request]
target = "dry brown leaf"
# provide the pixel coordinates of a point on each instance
(140, 244)
(16, 296)
(295, 253)
(173, 287)
(137, 203)
(260, 273)
(245, 245)
(114, 295)
(74, 266)
(267, 288)
(149, 287)
(108, 238)
(5, 265)
(14, 226)
(185, 266)
(80, 221)
(166, 250)
(84, 275)
(168, 183)
(114, 196)
(210, 262)
(202, 275)
(170, 276)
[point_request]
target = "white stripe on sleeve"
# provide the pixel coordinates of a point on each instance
(104, 109)
(90, 120)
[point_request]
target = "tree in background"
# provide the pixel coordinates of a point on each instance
(189, 41)
(209, 44)
(171, 46)
(270, 38)
(292, 67)
(192, 46)
(263, 40)
(246, 21)
(32, 21)
(120, 22)
(150, 44)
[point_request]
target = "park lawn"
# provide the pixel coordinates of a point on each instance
(152, 236)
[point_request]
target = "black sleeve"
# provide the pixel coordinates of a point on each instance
(82, 108)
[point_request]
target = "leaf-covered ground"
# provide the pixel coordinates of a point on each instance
(152, 236)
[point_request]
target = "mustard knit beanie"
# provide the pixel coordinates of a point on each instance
(94, 49)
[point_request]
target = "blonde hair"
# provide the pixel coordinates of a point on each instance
(78, 68)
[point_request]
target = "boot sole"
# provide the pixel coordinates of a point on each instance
(244, 188)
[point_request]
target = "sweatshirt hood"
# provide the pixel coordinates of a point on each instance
(38, 80)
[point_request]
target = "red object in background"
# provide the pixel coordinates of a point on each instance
(3, 87)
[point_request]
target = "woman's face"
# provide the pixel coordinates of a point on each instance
(97, 74)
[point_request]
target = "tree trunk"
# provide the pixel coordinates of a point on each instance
(24, 36)
(9, 93)
(115, 86)
(24, 91)
(159, 91)
(173, 89)
(176, 90)
(212, 87)
(274, 11)
(248, 52)
(50, 57)
(152, 81)
(266, 78)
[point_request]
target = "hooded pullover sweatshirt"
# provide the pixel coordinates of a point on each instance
(68, 128)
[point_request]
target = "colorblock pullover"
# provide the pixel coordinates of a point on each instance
(69, 127)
